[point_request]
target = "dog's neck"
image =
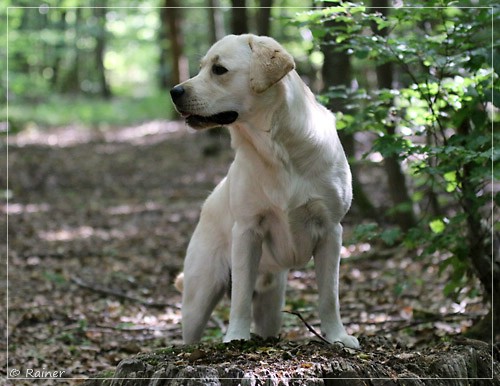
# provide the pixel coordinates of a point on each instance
(278, 136)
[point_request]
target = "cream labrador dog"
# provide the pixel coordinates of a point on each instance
(282, 200)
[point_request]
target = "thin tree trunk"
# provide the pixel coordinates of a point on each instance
(163, 73)
(216, 21)
(172, 21)
(264, 17)
(239, 20)
(398, 189)
(483, 253)
(100, 14)
(71, 81)
(58, 49)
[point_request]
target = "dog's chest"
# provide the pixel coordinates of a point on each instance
(295, 218)
(291, 236)
(287, 209)
(290, 207)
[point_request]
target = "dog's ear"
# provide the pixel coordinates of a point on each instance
(269, 63)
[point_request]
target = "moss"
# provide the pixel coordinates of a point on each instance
(107, 374)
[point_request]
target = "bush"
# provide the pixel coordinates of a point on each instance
(437, 119)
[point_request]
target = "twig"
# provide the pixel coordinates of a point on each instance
(309, 327)
(100, 327)
(107, 291)
(429, 319)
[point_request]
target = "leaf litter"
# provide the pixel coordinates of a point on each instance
(98, 227)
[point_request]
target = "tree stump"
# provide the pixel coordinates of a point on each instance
(273, 362)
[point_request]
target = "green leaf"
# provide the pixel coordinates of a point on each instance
(344, 120)
(451, 179)
(437, 38)
(364, 232)
(391, 236)
(437, 226)
(362, 54)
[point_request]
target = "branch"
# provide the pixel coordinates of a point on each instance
(107, 291)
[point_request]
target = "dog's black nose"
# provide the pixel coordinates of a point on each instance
(176, 92)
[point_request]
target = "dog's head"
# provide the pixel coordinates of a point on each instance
(236, 72)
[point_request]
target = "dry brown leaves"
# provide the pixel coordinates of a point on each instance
(98, 226)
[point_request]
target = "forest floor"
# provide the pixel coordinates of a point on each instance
(98, 223)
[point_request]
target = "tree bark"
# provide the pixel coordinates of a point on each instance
(483, 252)
(70, 83)
(171, 19)
(216, 21)
(58, 49)
(306, 363)
(100, 14)
(239, 20)
(398, 190)
(264, 17)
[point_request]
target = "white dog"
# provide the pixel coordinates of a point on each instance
(282, 200)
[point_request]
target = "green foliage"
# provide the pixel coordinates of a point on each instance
(438, 119)
(51, 52)
(373, 232)
(51, 48)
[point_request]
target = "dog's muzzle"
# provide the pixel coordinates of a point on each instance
(200, 121)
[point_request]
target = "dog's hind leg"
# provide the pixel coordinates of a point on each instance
(268, 302)
(326, 262)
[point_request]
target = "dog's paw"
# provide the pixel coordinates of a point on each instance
(346, 339)
(235, 336)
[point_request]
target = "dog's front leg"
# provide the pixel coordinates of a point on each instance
(245, 256)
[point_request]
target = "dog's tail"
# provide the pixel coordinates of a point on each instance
(179, 282)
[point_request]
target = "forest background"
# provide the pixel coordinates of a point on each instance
(416, 94)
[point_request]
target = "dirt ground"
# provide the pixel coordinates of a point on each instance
(98, 223)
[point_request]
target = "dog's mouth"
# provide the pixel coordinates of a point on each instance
(220, 119)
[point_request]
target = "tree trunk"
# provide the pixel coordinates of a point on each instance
(100, 14)
(264, 17)
(483, 253)
(164, 81)
(307, 363)
(336, 71)
(216, 21)
(70, 83)
(171, 19)
(239, 21)
(398, 189)
(58, 49)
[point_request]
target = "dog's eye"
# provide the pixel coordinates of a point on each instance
(218, 69)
